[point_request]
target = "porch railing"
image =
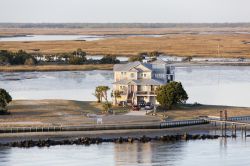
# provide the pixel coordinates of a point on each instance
(145, 93)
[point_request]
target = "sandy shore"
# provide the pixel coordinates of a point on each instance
(46, 68)
(26, 68)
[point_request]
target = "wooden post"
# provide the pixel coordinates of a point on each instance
(225, 130)
(221, 115)
(241, 131)
(235, 130)
(225, 112)
(222, 129)
(245, 131)
(232, 127)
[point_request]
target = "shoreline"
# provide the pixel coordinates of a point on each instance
(48, 68)
(108, 134)
(90, 67)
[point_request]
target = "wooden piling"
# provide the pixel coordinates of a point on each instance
(221, 127)
(235, 130)
(232, 128)
(245, 131)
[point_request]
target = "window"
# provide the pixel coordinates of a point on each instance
(145, 75)
(122, 87)
(132, 75)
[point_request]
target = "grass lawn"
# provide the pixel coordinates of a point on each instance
(193, 111)
(63, 112)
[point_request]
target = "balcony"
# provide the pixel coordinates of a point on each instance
(123, 92)
(145, 93)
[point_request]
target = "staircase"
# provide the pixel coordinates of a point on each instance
(130, 98)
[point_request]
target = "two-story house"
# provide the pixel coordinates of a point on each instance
(138, 81)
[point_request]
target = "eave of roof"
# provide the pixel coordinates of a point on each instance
(139, 82)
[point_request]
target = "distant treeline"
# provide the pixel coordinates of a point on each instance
(123, 25)
(77, 57)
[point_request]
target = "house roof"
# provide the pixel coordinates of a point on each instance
(140, 82)
(159, 61)
(130, 66)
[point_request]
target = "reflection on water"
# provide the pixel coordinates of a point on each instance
(199, 152)
(219, 85)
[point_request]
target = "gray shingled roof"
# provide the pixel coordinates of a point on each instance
(129, 66)
(140, 82)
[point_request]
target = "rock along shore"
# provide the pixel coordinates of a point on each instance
(89, 141)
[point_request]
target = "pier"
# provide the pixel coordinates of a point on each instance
(227, 123)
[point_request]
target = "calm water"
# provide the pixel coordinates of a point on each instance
(229, 152)
(67, 37)
(222, 85)
(98, 57)
(52, 38)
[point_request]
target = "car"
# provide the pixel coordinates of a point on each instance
(149, 106)
(142, 103)
(135, 108)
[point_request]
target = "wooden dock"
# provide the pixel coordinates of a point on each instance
(231, 123)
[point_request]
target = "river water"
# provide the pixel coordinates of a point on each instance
(29, 38)
(52, 38)
(219, 85)
(226, 152)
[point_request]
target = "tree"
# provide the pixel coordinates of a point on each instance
(77, 57)
(98, 94)
(106, 106)
(139, 57)
(104, 90)
(30, 61)
(171, 94)
(154, 54)
(101, 92)
(151, 54)
(187, 59)
(79, 53)
(76, 60)
(20, 57)
(5, 98)
(109, 59)
(116, 94)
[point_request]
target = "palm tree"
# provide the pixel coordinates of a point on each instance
(101, 92)
(116, 94)
(98, 94)
(104, 90)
